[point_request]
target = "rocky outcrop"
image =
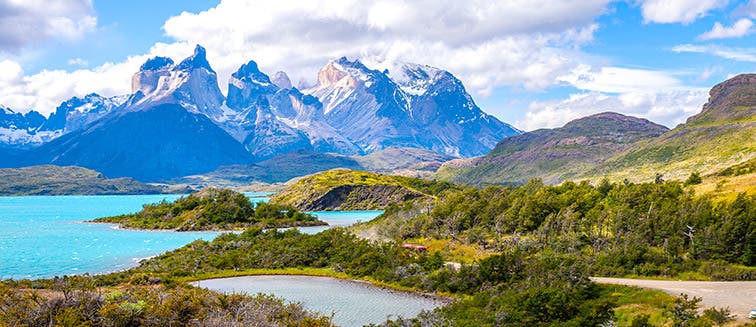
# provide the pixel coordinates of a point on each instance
(359, 197)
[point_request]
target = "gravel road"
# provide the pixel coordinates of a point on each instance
(740, 297)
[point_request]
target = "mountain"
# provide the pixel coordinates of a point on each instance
(553, 155)
(428, 109)
(55, 180)
(275, 118)
(723, 134)
(156, 143)
(352, 111)
(76, 112)
(391, 159)
(278, 169)
(22, 130)
(192, 84)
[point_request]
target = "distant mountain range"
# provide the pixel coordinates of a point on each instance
(621, 147)
(177, 122)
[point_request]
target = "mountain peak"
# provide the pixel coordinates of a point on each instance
(612, 123)
(196, 60)
(156, 63)
(281, 80)
(730, 100)
(250, 72)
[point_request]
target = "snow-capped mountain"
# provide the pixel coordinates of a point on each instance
(353, 110)
(423, 107)
(23, 130)
(76, 112)
(191, 84)
(274, 118)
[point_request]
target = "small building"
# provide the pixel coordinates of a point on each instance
(418, 248)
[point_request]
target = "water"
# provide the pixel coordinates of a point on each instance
(352, 303)
(44, 236)
(339, 219)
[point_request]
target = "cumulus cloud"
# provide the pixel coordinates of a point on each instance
(485, 43)
(655, 95)
(678, 11)
(618, 79)
(668, 108)
(45, 90)
(24, 22)
(738, 54)
(739, 29)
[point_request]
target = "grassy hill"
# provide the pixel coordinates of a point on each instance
(553, 155)
(57, 180)
(212, 209)
(342, 189)
(722, 135)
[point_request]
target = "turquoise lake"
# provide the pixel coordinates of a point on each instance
(46, 236)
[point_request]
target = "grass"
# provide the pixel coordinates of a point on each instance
(634, 301)
(452, 250)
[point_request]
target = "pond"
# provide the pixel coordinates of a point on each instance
(353, 303)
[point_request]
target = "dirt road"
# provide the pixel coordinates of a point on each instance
(740, 297)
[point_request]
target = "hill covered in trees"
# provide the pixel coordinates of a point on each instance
(213, 209)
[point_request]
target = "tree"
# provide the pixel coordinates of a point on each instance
(693, 179)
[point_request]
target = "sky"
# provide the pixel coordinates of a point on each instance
(531, 63)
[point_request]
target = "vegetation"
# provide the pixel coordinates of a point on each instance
(213, 209)
(77, 301)
(553, 155)
(56, 180)
(342, 189)
(617, 229)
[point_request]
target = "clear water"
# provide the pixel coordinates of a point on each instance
(352, 303)
(339, 219)
(45, 236)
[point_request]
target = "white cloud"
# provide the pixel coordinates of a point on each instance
(78, 62)
(618, 79)
(24, 22)
(678, 11)
(748, 9)
(668, 108)
(739, 29)
(486, 44)
(738, 54)
(45, 90)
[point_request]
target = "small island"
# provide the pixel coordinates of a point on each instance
(213, 209)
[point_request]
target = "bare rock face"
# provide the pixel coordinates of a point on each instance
(192, 84)
(348, 197)
(734, 98)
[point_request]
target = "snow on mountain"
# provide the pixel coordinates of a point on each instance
(413, 106)
(192, 83)
(76, 112)
(352, 110)
(272, 120)
(22, 130)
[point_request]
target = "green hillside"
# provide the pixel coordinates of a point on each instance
(342, 189)
(70, 180)
(553, 155)
(722, 135)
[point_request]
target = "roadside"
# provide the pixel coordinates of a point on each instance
(739, 296)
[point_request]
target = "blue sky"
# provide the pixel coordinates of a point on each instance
(533, 64)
